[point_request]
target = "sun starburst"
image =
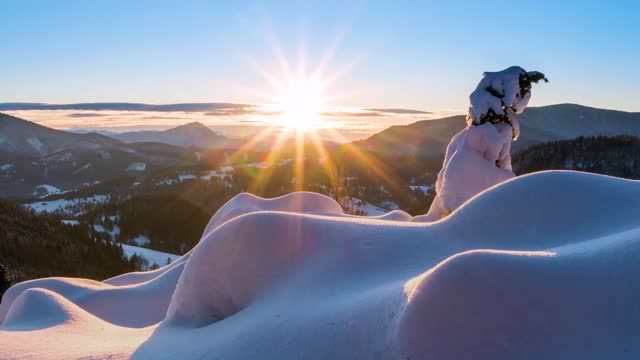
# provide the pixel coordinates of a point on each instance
(301, 104)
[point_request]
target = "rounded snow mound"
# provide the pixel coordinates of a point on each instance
(395, 215)
(135, 305)
(300, 202)
(492, 304)
(67, 287)
(236, 262)
(139, 277)
(37, 309)
(547, 209)
(543, 266)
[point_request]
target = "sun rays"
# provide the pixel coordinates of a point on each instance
(301, 103)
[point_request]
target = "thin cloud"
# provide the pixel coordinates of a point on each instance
(400, 111)
(81, 115)
(352, 114)
(184, 107)
(241, 110)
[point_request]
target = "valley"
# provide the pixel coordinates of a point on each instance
(137, 193)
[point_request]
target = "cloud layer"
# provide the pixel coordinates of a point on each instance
(230, 119)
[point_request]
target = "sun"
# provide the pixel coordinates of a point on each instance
(300, 103)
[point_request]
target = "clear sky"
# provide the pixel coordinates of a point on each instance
(408, 54)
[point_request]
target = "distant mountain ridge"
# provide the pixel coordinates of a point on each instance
(191, 134)
(426, 137)
(28, 138)
(33, 156)
(537, 124)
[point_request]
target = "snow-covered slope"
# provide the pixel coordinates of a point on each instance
(66, 206)
(152, 256)
(541, 267)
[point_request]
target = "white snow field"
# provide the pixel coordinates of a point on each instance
(66, 206)
(543, 266)
(152, 256)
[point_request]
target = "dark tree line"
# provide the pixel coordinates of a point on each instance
(616, 156)
(39, 245)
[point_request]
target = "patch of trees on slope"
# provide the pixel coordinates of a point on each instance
(616, 156)
(34, 246)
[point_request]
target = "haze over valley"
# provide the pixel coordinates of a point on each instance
(231, 120)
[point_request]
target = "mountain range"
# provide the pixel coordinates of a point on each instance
(537, 125)
(32, 155)
(27, 138)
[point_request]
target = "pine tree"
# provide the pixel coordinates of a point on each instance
(5, 279)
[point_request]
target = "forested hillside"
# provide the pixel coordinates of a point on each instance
(616, 156)
(34, 246)
(169, 210)
(169, 223)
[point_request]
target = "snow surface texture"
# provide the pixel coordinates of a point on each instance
(553, 278)
(479, 156)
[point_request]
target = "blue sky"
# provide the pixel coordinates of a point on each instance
(411, 54)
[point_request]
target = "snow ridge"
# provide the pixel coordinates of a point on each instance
(540, 266)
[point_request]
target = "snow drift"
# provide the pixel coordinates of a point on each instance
(541, 266)
(136, 304)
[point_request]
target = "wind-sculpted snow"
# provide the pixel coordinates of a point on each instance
(541, 266)
(300, 202)
(53, 309)
(144, 276)
(395, 215)
(137, 305)
(547, 209)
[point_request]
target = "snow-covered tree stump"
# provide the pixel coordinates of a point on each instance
(478, 157)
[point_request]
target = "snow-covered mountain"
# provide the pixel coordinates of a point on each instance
(192, 134)
(537, 124)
